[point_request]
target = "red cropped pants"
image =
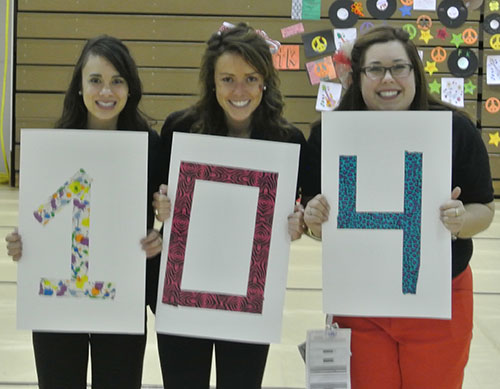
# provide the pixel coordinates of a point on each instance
(396, 353)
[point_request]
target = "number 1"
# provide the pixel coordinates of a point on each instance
(77, 188)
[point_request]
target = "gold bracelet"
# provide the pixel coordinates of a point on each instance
(311, 234)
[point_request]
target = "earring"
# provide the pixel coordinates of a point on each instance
(265, 87)
(80, 92)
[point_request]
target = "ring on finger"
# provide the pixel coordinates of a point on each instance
(456, 212)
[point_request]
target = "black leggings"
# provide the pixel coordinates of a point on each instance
(62, 359)
(186, 363)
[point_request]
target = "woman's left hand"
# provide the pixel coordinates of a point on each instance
(152, 243)
(296, 222)
(453, 212)
(162, 204)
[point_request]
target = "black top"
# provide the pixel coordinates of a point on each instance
(470, 171)
(175, 122)
(156, 176)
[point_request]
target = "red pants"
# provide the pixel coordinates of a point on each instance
(395, 353)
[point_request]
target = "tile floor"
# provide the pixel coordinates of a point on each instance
(285, 368)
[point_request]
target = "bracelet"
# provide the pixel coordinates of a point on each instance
(311, 234)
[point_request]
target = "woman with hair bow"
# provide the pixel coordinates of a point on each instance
(239, 98)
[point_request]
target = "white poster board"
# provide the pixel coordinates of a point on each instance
(82, 269)
(370, 268)
(225, 249)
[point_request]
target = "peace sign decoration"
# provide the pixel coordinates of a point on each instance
(495, 42)
(318, 43)
(438, 54)
(492, 105)
(411, 30)
(469, 36)
(424, 22)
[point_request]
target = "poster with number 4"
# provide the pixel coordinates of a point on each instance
(385, 250)
(82, 213)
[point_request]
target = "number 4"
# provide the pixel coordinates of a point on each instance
(77, 188)
(409, 221)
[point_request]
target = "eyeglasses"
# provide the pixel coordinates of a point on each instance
(376, 73)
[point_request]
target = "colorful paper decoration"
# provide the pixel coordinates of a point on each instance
(452, 91)
(294, 29)
(492, 105)
(425, 35)
(321, 70)
(442, 34)
(430, 67)
(457, 40)
(435, 87)
(318, 43)
(287, 58)
(469, 87)
(494, 139)
(328, 96)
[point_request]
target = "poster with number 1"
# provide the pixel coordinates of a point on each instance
(385, 251)
(82, 213)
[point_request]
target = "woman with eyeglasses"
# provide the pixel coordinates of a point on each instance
(389, 353)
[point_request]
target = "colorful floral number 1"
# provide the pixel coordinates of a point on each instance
(76, 189)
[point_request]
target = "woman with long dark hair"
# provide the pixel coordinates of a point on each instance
(104, 93)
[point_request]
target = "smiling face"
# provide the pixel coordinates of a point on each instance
(238, 88)
(389, 93)
(104, 91)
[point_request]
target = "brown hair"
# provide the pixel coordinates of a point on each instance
(267, 120)
(353, 99)
(74, 113)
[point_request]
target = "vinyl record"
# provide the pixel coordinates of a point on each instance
(381, 9)
(462, 62)
(491, 24)
(452, 13)
(340, 14)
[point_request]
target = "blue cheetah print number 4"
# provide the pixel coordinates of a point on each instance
(409, 221)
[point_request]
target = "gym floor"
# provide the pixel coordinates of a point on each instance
(285, 368)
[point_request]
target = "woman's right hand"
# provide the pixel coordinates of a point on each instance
(316, 213)
(14, 245)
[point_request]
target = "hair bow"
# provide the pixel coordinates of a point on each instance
(274, 45)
